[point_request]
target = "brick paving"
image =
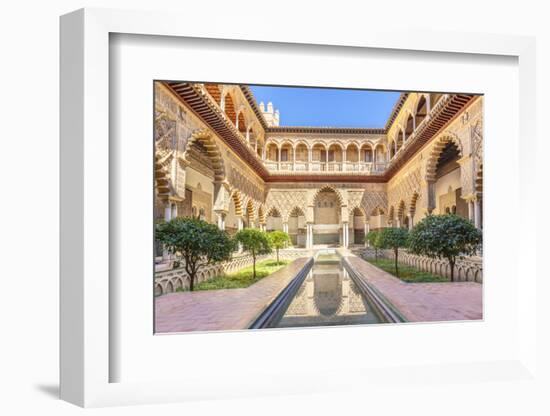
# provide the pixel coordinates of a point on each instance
(422, 302)
(224, 309)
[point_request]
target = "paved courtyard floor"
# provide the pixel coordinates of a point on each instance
(224, 309)
(422, 302)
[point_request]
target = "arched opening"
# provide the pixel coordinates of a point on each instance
(287, 156)
(274, 220)
(380, 157)
(249, 215)
(358, 222)
(297, 227)
(229, 109)
(377, 219)
(448, 185)
(402, 218)
(391, 220)
(352, 153)
(215, 92)
(367, 155)
(326, 218)
(318, 156)
(204, 170)
(251, 138)
(301, 157)
(399, 140)
(234, 214)
(241, 123)
(261, 215)
(421, 110)
(272, 152)
(409, 127)
(335, 153)
(412, 209)
(434, 98)
(392, 147)
(259, 145)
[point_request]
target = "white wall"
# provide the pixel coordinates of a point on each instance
(30, 50)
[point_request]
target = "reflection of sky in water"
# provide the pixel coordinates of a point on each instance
(328, 296)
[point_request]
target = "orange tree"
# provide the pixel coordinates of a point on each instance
(255, 242)
(198, 242)
(394, 239)
(445, 236)
(277, 240)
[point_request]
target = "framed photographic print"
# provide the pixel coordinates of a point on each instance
(238, 209)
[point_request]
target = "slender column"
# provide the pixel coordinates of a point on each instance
(309, 235)
(471, 211)
(221, 221)
(167, 217)
(344, 158)
(367, 229)
(309, 158)
(279, 158)
(285, 227)
(410, 221)
(477, 213)
(168, 212)
(345, 234)
(294, 159)
(174, 210)
(240, 226)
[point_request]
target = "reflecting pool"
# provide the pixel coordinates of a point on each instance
(328, 296)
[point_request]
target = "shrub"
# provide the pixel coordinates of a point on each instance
(198, 242)
(445, 236)
(255, 242)
(393, 238)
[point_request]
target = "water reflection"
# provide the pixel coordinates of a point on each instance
(328, 296)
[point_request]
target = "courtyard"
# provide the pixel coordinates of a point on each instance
(244, 171)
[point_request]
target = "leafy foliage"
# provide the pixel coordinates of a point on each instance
(393, 238)
(445, 236)
(277, 240)
(255, 242)
(198, 242)
(373, 238)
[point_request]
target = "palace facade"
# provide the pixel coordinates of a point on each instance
(224, 157)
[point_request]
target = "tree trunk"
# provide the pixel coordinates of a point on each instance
(452, 264)
(254, 267)
(277, 250)
(191, 282)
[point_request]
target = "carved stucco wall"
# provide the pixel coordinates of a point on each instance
(409, 187)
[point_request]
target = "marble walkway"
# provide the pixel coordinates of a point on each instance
(224, 309)
(423, 302)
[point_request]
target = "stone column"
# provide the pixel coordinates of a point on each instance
(309, 235)
(240, 226)
(293, 158)
(285, 227)
(278, 158)
(168, 212)
(345, 230)
(410, 221)
(367, 229)
(221, 220)
(344, 158)
(471, 211)
(477, 213)
(309, 158)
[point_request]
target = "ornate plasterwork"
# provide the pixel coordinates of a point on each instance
(405, 187)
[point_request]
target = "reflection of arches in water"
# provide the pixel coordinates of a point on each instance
(327, 292)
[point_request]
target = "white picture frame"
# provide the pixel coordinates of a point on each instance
(86, 353)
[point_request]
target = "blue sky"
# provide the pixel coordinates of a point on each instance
(328, 107)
